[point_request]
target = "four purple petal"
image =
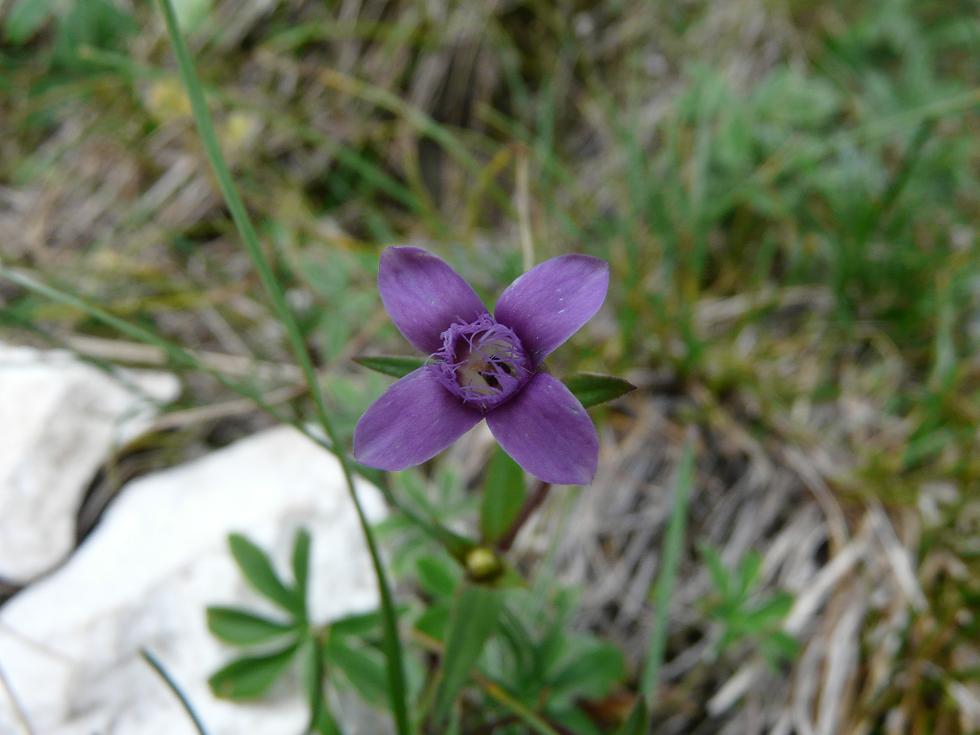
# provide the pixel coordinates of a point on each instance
(424, 295)
(542, 426)
(548, 432)
(552, 301)
(412, 421)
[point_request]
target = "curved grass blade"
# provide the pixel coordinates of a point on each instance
(202, 118)
(664, 587)
(175, 688)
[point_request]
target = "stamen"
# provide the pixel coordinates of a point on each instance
(481, 362)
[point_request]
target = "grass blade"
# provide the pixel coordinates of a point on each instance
(664, 587)
(205, 128)
(175, 688)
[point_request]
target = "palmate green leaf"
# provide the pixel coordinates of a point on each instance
(25, 19)
(472, 621)
(748, 572)
(97, 24)
(363, 667)
(258, 570)
(779, 647)
(311, 676)
(358, 624)
(592, 670)
(503, 495)
(395, 366)
(720, 576)
(243, 628)
(250, 676)
(434, 622)
(638, 723)
(768, 612)
(301, 566)
(591, 389)
(437, 577)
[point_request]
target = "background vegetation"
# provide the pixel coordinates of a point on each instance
(786, 191)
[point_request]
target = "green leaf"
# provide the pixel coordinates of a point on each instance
(573, 720)
(437, 577)
(98, 24)
(325, 724)
(359, 624)
(362, 666)
(748, 572)
(472, 621)
(395, 366)
(311, 676)
(779, 647)
(434, 622)
(591, 671)
(25, 19)
(250, 676)
(716, 568)
(591, 389)
(638, 723)
(301, 566)
(503, 496)
(243, 628)
(768, 612)
(258, 570)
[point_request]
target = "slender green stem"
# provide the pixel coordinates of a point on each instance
(532, 720)
(533, 502)
(175, 688)
(205, 127)
(664, 587)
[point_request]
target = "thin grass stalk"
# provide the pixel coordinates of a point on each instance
(202, 119)
(664, 588)
(174, 687)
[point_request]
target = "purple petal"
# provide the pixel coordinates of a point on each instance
(548, 432)
(550, 302)
(412, 421)
(423, 295)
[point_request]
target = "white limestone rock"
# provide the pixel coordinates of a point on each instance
(69, 645)
(59, 419)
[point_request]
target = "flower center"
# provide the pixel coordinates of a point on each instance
(482, 362)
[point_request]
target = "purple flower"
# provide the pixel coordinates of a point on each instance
(485, 366)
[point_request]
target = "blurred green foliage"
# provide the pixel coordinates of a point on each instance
(786, 191)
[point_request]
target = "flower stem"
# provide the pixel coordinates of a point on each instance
(533, 502)
(205, 127)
